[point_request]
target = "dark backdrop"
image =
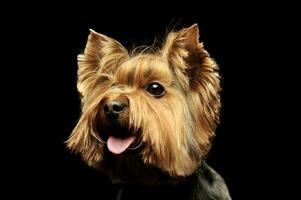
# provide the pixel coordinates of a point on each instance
(43, 43)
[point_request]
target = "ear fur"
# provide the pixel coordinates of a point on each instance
(187, 56)
(102, 56)
(198, 76)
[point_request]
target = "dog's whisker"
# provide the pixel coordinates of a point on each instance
(136, 147)
(97, 137)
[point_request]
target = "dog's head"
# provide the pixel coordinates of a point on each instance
(148, 112)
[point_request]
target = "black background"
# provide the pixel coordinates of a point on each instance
(41, 48)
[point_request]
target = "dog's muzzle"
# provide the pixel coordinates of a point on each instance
(114, 130)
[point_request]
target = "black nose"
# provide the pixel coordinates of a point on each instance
(114, 108)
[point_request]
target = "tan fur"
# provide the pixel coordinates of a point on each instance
(177, 128)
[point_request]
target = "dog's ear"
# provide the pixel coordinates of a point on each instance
(102, 56)
(187, 56)
(197, 74)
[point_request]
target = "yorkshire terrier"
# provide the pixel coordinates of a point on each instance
(148, 117)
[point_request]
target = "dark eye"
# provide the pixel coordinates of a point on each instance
(156, 90)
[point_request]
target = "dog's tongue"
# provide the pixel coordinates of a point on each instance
(118, 145)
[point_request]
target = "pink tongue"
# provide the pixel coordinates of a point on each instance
(118, 145)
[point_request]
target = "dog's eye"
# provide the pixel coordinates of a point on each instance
(156, 90)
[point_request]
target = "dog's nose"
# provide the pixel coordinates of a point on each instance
(114, 108)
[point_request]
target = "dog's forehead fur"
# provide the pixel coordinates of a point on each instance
(141, 70)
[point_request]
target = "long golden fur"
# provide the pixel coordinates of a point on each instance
(176, 129)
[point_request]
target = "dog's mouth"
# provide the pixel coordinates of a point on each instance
(119, 144)
(117, 135)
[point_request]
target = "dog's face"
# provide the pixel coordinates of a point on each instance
(146, 114)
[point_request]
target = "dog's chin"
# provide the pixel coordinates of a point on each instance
(129, 168)
(123, 161)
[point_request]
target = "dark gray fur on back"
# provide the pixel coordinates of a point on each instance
(209, 185)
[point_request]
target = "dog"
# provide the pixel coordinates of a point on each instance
(148, 117)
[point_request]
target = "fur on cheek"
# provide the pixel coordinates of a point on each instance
(83, 139)
(165, 132)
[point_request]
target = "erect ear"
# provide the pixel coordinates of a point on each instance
(187, 56)
(197, 73)
(102, 56)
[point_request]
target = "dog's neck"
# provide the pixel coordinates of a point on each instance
(179, 190)
(204, 184)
